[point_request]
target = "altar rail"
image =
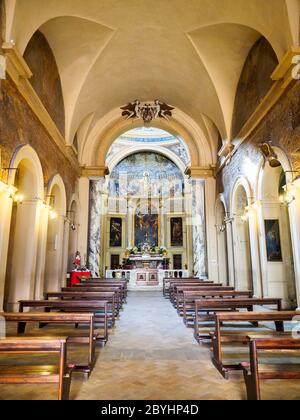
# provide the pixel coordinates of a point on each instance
(127, 274)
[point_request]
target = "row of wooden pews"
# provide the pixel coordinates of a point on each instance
(228, 319)
(82, 315)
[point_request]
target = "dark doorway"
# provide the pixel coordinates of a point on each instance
(115, 262)
(177, 262)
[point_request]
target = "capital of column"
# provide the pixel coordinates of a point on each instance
(94, 171)
(201, 172)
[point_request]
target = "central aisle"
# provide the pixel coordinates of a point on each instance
(152, 356)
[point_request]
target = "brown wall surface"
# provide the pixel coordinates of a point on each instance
(281, 126)
(18, 125)
(254, 83)
(46, 80)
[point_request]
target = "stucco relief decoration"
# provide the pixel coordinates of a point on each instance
(147, 111)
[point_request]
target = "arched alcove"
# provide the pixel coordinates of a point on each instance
(276, 245)
(222, 242)
(56, 195)
(241, 238)
(27, 177)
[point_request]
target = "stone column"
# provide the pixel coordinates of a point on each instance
(130, 218)
(230, 251)
(41, 253)
(5, 220)
(163, 222)
(95, 226)
(255, 249)
(23, 263)
(65, 257)
(199, 227)
(83, 190)
(294, 215)
(211, 236)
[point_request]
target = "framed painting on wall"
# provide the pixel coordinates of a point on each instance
(115, 232)
(176, 232)
(273, 241)
(146, 229)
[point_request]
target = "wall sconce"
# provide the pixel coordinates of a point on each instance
(10, 190)
(221, 228)
(18, 198)
(269, 154)
(52, 214)
(287, 198)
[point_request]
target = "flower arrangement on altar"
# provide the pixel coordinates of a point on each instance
(163, 250)
(132, 250)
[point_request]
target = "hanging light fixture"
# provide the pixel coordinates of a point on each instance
(269, 154)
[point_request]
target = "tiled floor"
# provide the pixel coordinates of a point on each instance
(152, 355)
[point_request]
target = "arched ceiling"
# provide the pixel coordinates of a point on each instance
(187, 53)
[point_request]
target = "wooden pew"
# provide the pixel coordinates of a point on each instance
(106, 296)
(122, 287)
(255, 372)
(222, 337)
(106, 281)
(59, 374)
(98, 308)
(206, 309)
(116, 290)
(177, 291)
(174, 286)
(61, 319)
(98, 287)
(167, 281)
(186, 300)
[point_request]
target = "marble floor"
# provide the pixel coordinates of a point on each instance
(151, 355)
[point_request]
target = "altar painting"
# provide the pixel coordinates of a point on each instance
(115, 232)
(176, 232)
(146, 229)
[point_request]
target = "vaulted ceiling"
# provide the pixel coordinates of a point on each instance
(189, 53)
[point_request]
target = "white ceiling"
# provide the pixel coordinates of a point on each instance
(189, 53)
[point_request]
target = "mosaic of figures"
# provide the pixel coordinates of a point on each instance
(150, 137)
(146, 174)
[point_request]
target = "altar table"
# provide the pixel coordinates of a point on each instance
(75, 274)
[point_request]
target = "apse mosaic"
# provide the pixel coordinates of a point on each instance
(146, 174)
(150, 136)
